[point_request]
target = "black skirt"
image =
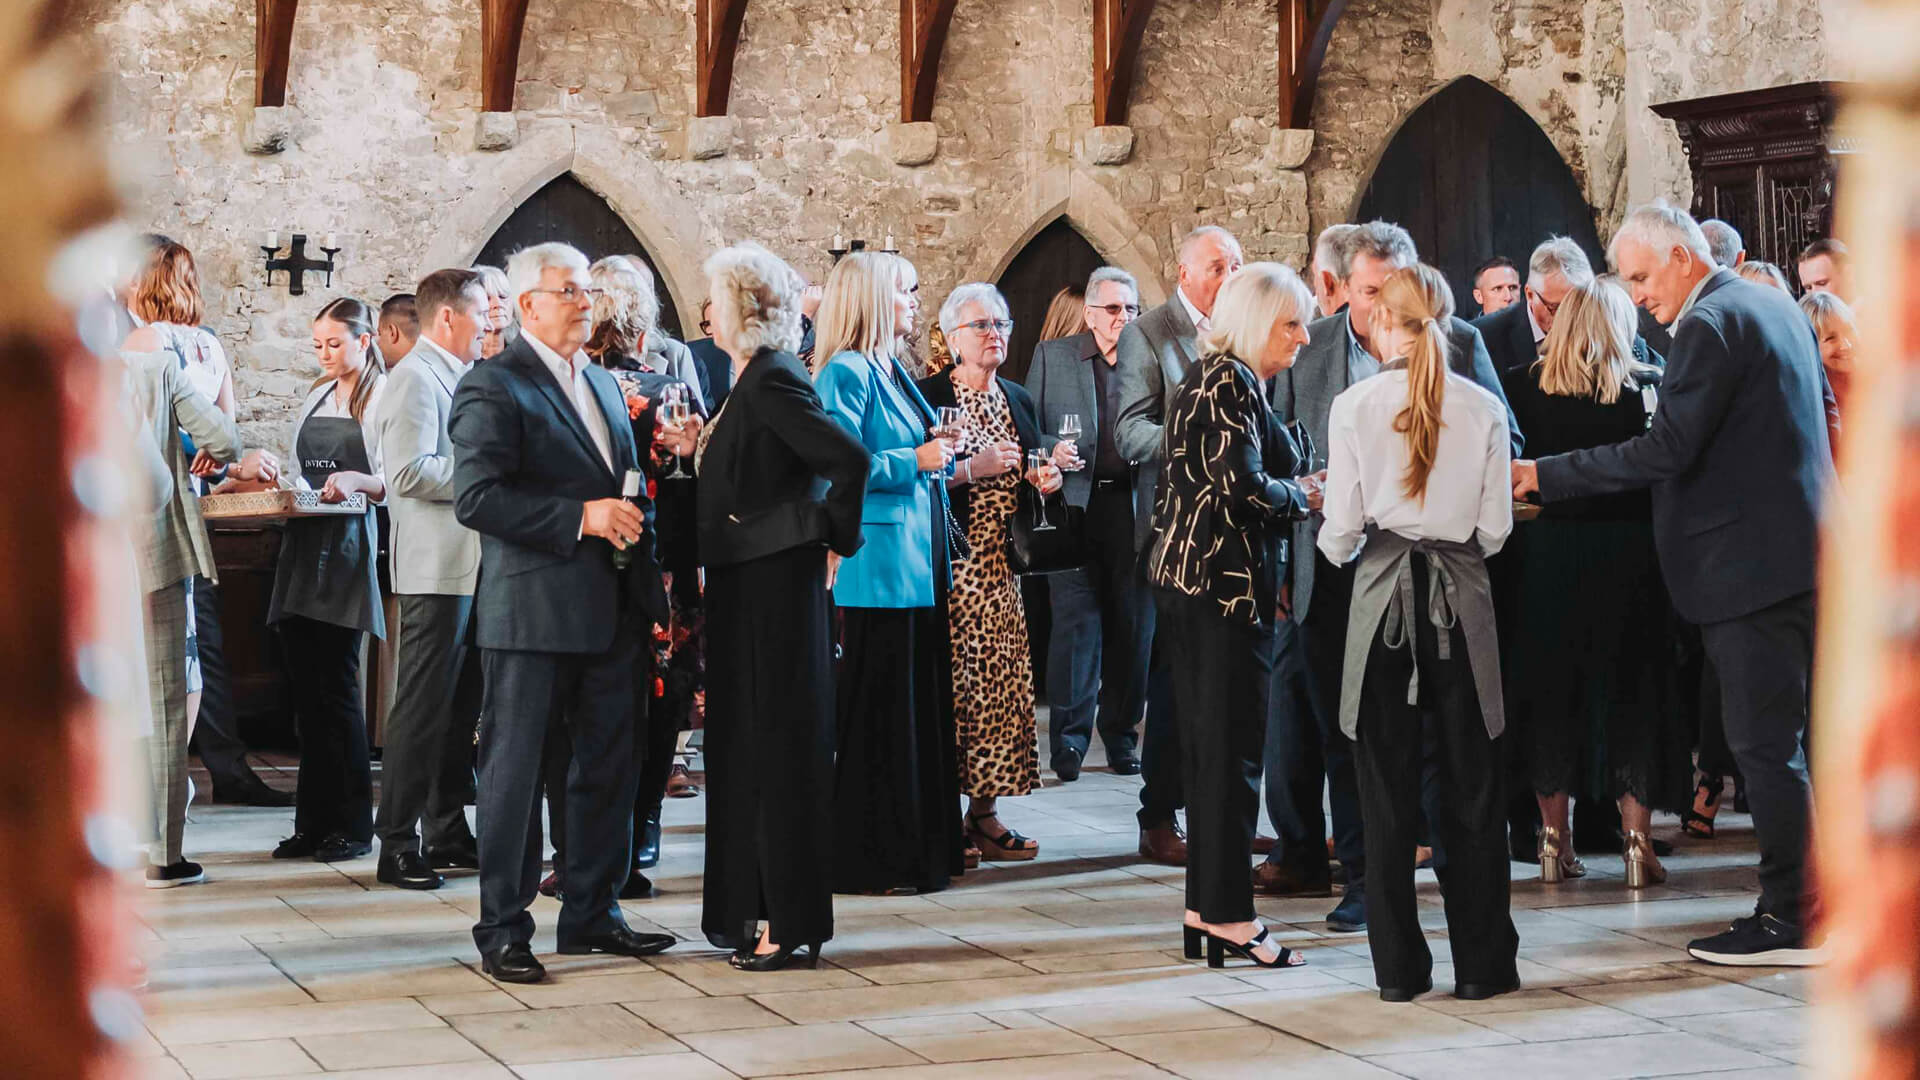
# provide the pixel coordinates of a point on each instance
(769, 750)
(896, 792)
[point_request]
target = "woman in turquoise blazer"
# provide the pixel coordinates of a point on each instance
(896, 786)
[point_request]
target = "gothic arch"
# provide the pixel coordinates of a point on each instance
(1087, 206)
(641, 197)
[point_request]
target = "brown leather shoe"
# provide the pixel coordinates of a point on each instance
(1271, 880)
(1263, 845)
(1164, 844)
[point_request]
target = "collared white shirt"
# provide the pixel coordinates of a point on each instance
(1201, 322)
(1693, 297)
(1469, 491)
(572, 377)
(1539, 335)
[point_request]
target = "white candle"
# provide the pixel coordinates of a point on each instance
(332, 241)
(273, 240)
(888, 246)
(839, 242)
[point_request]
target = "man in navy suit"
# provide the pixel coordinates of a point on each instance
(1738, 462)
(541, 445)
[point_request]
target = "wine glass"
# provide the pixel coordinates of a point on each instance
(1036, 461)
(1070, 428)
(948, 423)
(677, 411)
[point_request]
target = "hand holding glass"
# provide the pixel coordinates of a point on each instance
(1036, 463)
(948, 423)
(675, 410)
(1069, 459)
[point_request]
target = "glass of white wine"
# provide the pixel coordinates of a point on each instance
(1038, 460)
(677, 411)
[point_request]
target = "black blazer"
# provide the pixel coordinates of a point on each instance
(674, 543)
(1509, 337)
(938, 390)
(716, 371)
(778, 472)
(524, 465)
(1737, 456)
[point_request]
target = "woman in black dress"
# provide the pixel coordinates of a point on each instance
(1594, 687)
(764, 537)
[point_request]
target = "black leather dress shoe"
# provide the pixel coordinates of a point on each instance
(1399, 994)
(1066, 765)
(454, 856)
(637, 887)
(407, 870)
(297, 846)
(646, 846)
(340, 847)
(621, 942)
(1483, 991)
(1123, 764)
(248, 789)
(514, 964)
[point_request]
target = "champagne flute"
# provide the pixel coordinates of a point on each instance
(948, 423)
(1070, 428)
(673, 399)
(1036, 461)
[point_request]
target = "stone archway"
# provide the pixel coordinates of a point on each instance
(1091, 210)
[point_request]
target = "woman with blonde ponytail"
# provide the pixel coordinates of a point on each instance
(1418, 489)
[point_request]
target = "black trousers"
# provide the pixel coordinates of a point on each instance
(1470, 818)
(1765, 662)
(216, 732)
(1102, 634)
(527, 694)
(335, 793)
(1295, 765)
(651, 760)
(1222, 670)
(428, 749)
(1323, 637)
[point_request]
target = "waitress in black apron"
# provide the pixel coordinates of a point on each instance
(326, 593)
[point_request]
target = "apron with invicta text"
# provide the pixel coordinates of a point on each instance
(327, 569)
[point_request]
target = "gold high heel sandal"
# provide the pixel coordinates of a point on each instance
(1643, 869)
(1557, 861)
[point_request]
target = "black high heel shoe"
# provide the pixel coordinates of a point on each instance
(1218, 947)
(778, 960)
(1196, 937)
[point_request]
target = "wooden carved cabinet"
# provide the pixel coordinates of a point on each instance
(1764, 162)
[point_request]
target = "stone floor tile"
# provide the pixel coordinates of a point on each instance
(179, 990)
(709, 973)
(927, 963)
(676, 1017)
(385, 1049)
(798, 1049)
(160, 1068)
(1359, 1023)
(1241, 1052)
(1132, 960)
(1781, 1033)
(1589, 957)
(651, 1067)
(1032, 992)
(577, 1033)
(1528, 999)
(1001, 1043)
(1560, 1024)
(485, 1001)
(596, 989)
(1579, 1059)
(947, 1024)
(1105, 1066)
(288, 1021)
(245, 1060)
(465, 1070)
(391, 979)
(1680, 997)
(1000, 920)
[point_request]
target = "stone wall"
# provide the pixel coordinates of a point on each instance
(384, 101)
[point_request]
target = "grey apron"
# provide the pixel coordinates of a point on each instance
(328, 565)
(1383, 606)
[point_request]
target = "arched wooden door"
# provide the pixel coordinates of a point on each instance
(1471, 176)
(569, 211)
(1057, 257)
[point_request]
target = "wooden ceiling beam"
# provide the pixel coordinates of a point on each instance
(716, 35)
(1306, 26)
(501, 24)
(272, 49)
(923, 37)
(1118, 26)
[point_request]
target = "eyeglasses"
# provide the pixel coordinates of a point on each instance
(572, 294)
(1003, 327)
(1114, 311)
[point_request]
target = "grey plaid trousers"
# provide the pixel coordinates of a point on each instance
(166, 629)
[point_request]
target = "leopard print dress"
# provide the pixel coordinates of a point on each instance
(992, 669)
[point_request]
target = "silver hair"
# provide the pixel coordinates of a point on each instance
(1725, 241)
(627, 299)
(524, 267)
(1333, 252)
(1661, 228)
(1381, 240)
(1560, 255)
(1204, 232)
(1111, 273)
(973, 292)
(757, 294)
(493, 281)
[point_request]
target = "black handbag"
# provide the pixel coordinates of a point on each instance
(1033, 550)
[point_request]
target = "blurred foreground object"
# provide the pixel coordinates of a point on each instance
(1867, 680)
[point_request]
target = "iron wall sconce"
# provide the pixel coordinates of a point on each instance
(841, 248)
(296, 263)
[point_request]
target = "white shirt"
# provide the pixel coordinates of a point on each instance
(1201, 322)
(322, 403)
(1469, 491)
(572, 377)
(1533, 324)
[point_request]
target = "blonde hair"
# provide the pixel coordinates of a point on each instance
(626, 310)
(1253, 299)
(756, 299)
(1066, 314)
(856, 308)
(1589, 351)
(167, 289)
(1764, 273)
(1417, 299)
(1824, 308)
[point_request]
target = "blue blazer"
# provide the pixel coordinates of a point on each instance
(900, 554)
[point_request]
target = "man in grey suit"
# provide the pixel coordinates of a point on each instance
(1101, 628)
(436, 561)
(1154, 355)
(1338, 355)
(1738, 463)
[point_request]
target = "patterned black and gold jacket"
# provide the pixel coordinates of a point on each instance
(1226, 494)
